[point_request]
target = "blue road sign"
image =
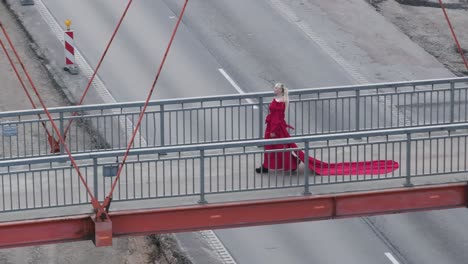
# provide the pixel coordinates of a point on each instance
(10, 131)
(110, 170)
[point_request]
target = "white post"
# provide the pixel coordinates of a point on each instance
(69, 44)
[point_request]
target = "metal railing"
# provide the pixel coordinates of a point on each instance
(216, 168)
(239, 117)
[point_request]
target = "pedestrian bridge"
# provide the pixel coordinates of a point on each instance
(192, 166)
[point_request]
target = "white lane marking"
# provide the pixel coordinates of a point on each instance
(391, 258)
(218, 247)
(291, 16)
(231, 81)
(87, 71)
(234, 84)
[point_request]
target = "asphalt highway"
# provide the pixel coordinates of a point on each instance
(251, 44)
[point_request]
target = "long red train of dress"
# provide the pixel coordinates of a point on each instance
(285, 160)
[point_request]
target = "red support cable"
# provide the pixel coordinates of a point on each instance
(54, 147)
(17, 72)
(453, 34)
(98, 66)
(101, 209)
(94, 201)
(108, 198)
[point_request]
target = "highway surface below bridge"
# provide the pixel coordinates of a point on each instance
(224, 46)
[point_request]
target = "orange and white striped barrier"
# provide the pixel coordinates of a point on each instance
(70, 64)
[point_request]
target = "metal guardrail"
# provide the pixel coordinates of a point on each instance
(206, 169)
(239, 117)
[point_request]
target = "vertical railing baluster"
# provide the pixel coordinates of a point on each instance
(306, 169)
(357, 109)
(452, 102)
(161, 125)
(61, 131)
(202, 177)
(408, 161)
(95, 178)
(260, 118)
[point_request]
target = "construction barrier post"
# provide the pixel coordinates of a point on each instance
(70, 65)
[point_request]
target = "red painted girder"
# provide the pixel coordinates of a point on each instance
(274, 211)
(223, 215)
(46, 231)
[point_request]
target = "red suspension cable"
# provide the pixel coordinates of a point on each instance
(100, 209)
(54, 147)
(94, 201)
(460, 50)
(98, 66)
(21, 81)
(17, 73)
(107, 200)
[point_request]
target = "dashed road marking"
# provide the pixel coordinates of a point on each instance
(290, 16)
(218, 247)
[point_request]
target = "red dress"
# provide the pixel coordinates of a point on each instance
(287, 161)
(275, 123)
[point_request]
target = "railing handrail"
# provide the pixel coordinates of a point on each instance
(236, 144)
(231, 97)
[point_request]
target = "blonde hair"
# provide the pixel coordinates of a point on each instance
(284, 91)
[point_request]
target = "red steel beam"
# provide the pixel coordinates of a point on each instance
(224, 215)
(45, 231)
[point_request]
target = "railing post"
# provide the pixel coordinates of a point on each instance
(408, 161)
(202, 177)
(95, 177)
(452, 102)
(357, 109)
(306, 169)
(161, 125)
(62, 132)
(260, 118)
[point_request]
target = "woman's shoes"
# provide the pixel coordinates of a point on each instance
(261, 170)
(265, 170)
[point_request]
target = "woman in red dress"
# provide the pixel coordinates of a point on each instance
(276, 127)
